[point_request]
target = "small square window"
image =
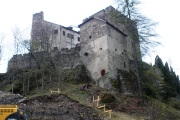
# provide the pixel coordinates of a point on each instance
(70, 36)
(64, 33)
(90, 37)
(124, 65)
(100, 48)
(56, 31)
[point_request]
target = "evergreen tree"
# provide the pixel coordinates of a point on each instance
(178, 84)
(159, 63)
(172, 83)
(167, 92)
(166, 73)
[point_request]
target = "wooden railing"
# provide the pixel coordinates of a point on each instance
(101, 106)
(53, 91)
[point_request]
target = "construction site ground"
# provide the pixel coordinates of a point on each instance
(75, 102)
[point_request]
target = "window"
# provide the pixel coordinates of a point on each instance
(64, 33)
(103, 72)
(56, 31)
(55, 48)
(124, 51)
(115, 49)
(79, 39)
(100, 48)
(124, 65)
(90, 37)
(86, 54)
(70, 36)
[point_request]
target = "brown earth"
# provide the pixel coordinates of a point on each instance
(51, 107)
(57, 107)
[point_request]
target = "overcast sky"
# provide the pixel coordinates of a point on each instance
(72, 12)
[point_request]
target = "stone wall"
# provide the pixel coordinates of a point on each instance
(62, 59)
(113, 16)
(117, 50)
(103, 50)
(94, 52)
(47, 36)
(91, 30)
(106, 46)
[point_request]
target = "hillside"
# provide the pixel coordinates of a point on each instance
(76, 98)
(51, 107)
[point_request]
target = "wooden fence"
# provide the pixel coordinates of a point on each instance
(101, 106)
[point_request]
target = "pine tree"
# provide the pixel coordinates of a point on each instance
(159, 63)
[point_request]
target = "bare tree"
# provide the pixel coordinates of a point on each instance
(131, 16)
(43, 38)
(139, 29)
(18, 36)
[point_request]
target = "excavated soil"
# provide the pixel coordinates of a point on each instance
(57, 107)
(50, 107)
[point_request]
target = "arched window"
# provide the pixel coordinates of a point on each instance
(103, 72)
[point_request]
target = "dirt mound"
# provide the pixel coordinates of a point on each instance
(57, 107)
(9, 98)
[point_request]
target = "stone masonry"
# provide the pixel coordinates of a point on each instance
(47, 36)
(103, 46)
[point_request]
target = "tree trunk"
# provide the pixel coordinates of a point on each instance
(42, 80)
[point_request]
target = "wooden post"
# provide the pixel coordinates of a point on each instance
(104, 106)
(101, 106)
(97, 104)
(52, 91)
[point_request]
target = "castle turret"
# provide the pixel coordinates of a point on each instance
(38, 16)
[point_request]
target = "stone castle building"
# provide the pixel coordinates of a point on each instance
(104, 45)
(47, 36)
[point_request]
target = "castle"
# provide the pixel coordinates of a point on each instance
(46, 36)
(102, 45)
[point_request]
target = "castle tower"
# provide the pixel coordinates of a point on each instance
(109, 45)
(112, 15)
(37, 23)
(38, 16)
(103, 50)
